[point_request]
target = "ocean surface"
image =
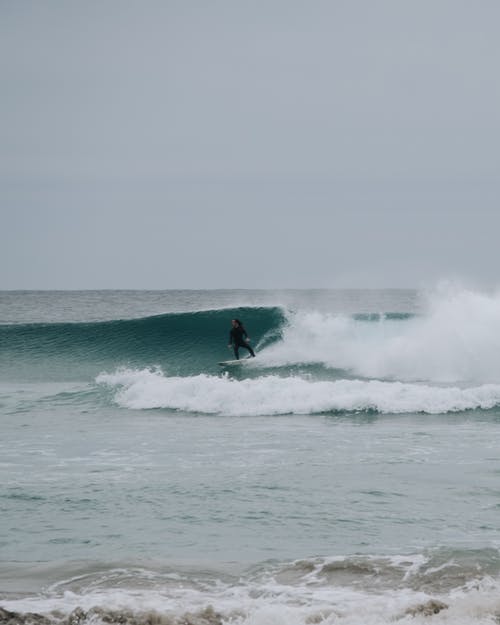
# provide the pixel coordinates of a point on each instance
(349, 474)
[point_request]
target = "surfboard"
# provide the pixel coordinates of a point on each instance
(231, 363)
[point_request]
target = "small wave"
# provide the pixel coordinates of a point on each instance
(26, 397)
(274, 395)
(374, 590)
(392, 316)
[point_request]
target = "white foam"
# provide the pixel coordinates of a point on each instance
(273, 395)
(265, 601)
(457, 338)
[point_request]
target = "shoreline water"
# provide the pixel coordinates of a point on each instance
(356, 589)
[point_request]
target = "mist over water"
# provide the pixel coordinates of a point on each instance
(456, 338)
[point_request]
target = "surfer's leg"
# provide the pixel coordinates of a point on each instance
(236, 350)
(247, 346)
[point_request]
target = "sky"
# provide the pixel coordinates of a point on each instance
(249, 144)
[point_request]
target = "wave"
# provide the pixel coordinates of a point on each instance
(462, 587)
(455, 339)
(184, 343)
(276, 395)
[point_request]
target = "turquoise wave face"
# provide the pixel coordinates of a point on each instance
(179, 343)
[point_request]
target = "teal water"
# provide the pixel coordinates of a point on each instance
(185, 343)
(349, 474)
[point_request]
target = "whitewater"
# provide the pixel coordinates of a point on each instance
(347, 474)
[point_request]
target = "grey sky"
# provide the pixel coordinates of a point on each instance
(184, 144)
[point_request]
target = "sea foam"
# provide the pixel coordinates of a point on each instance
(456, 338)
(274, 395)
(266, 598)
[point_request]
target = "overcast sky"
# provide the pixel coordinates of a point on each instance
(253, 144)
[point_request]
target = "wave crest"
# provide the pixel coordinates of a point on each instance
(274, 395)
(455, 339)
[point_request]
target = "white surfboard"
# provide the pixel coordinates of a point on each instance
(231, 363)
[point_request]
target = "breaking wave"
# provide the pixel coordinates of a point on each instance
(275, 395)
(461, 587)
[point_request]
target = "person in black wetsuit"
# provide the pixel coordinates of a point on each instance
(238, 337)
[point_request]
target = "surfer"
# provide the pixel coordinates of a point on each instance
(238, 337)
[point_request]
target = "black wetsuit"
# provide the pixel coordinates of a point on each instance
(237, 338)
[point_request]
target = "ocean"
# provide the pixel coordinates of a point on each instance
(349, 474)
